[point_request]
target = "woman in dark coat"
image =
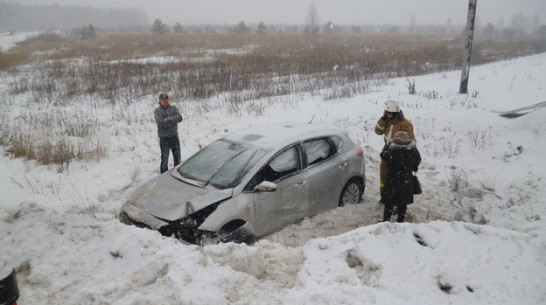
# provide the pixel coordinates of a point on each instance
(402, 158)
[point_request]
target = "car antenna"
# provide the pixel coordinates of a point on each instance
(311, 121)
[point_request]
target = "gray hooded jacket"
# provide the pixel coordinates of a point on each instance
(168, 128)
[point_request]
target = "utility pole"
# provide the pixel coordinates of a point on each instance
(469, 35)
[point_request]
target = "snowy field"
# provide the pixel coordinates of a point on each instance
(477, 234)
(8, 41)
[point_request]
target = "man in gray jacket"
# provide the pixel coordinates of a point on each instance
(167, 117)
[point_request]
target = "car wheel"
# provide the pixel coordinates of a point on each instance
(239, 239)
(235, 231)
(351, 193)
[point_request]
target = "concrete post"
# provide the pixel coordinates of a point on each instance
(468, 35)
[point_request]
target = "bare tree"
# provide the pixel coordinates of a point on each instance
(261, 28)
(177, 28)
(311, 24)
(449, 27)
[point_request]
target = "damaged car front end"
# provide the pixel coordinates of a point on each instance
(197, 227)
(179, 203)
(187, 228)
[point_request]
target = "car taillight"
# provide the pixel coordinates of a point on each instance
(360, 152)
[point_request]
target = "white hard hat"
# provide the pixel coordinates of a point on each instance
(392, 106)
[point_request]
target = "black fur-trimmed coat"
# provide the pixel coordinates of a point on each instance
(401, 161)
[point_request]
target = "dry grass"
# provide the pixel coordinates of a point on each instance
(125, 66)
(12, 59)
(47, 152)
(55, 70)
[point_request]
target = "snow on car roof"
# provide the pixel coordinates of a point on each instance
(280, 134)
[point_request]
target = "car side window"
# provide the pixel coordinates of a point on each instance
(281, 166)
(337, 142)
(318, 150)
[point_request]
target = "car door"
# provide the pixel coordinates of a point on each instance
(326, 171)
(289, 202)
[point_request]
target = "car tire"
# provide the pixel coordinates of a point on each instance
(351, 193)
(231, 232)
(239, 239)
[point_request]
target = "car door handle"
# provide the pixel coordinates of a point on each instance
(303, 183)
(343, 166)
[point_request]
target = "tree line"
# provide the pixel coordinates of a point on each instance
(55, 17)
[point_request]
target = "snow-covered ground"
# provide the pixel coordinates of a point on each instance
(477, 235)
(8, 41)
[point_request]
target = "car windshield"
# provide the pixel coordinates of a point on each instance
(222, 164)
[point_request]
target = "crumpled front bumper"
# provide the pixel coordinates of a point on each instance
(131, 215)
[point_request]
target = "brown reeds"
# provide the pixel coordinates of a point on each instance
(233, 68)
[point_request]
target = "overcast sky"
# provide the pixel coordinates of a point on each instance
(343, 12)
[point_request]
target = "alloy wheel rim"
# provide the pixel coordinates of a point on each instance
(351, 194)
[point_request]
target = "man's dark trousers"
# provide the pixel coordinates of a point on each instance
(169, 144)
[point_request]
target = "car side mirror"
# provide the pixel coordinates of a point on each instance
(266, 186)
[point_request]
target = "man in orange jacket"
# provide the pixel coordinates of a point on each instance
(388, 125)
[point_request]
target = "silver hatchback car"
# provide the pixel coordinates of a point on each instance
(251, 183)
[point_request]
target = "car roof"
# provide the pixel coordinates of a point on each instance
(278, 135)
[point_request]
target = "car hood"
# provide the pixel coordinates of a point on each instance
(168, 198)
